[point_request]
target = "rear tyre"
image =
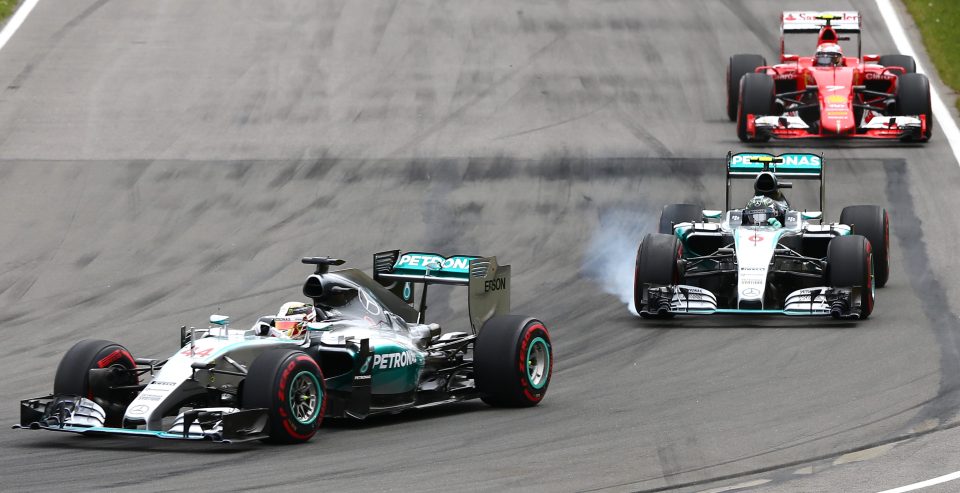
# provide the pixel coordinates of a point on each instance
(289, 384)
(850, 263)
(679, 213)
(656, 264)
(73, 376)
(739, 66)
(513, 361)
(757, 98)
(913, 98)
(905, 61)
(872, 222)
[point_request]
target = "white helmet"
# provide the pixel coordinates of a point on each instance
(828, 55)
(293, 317)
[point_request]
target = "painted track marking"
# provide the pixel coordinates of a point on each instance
(924, 484)
(16, 20)
(947, 125)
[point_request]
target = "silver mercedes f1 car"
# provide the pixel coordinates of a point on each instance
(765, 258)
(362, 347)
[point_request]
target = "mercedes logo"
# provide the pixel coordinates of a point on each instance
(367, 302)
(750, 292)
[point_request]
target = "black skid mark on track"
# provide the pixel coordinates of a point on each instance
(929, 289)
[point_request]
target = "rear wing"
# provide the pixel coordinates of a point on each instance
(488, 282)
(797, 166)
(806, 21)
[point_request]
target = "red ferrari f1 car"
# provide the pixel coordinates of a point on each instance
(828, 95)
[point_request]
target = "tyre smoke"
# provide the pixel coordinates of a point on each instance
(612, 253)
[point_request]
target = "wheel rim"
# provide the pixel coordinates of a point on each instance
(538, 363)
(304, 397)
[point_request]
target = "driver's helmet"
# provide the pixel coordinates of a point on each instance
(828, 55)
(293, 318)
(760, 210)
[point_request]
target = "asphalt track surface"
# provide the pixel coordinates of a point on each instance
(161, 161)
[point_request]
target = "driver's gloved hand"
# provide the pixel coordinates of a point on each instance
(774, 222)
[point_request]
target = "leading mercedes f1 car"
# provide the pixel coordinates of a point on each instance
(361, 348)
(766, 258)
(828, 95)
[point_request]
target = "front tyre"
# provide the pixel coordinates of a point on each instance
(656, 264)
(873, 222)
(73, 376)
(849, 264)
(513, 361)
(289, 385)
(757, 96)
(913, 98)
(739, 66)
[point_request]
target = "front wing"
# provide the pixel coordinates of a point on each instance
(74, 414)
(793, 127)
(841, 303)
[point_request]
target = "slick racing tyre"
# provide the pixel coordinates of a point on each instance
(913, 98)
(512, 361)
(757, 98)
(905, 61)
(873, 222)
(679, 213)
(850, 263)
(739, 66)
(656, 264)
(73, 376)
(289, 385)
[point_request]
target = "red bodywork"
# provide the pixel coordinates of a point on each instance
(849, 96)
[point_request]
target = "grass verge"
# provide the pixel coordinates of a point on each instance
(939, 24)
(6, 8)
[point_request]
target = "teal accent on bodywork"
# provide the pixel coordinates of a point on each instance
(422, 264)
(394, 369)
(406, 291)
(546, 352)
(792, 163)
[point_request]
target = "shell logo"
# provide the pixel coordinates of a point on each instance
(836, 98)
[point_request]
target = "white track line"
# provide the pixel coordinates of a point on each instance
(924, 484)
(14, 23)
(947, 126)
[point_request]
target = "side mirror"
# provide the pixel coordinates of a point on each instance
(712, 214)
(871, 58)
(811, 215)
(219, 319)
(788, 57)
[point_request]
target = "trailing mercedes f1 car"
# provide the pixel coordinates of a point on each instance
(765, 258)
(361, 348)
(828, 95)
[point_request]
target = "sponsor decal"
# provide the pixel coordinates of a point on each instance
(366, 363)
(150, 397)
(787, 76)
(836, 98)
(497, 284)
(755, 269)
(750, 292)
(155, 382)
(407, 291)
(788, 159)
(755, 238)
(878, 76)
(835, 88)
(389, 361)
(433, 262)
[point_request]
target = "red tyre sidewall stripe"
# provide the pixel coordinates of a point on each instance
(530, 393)
(288, 424)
